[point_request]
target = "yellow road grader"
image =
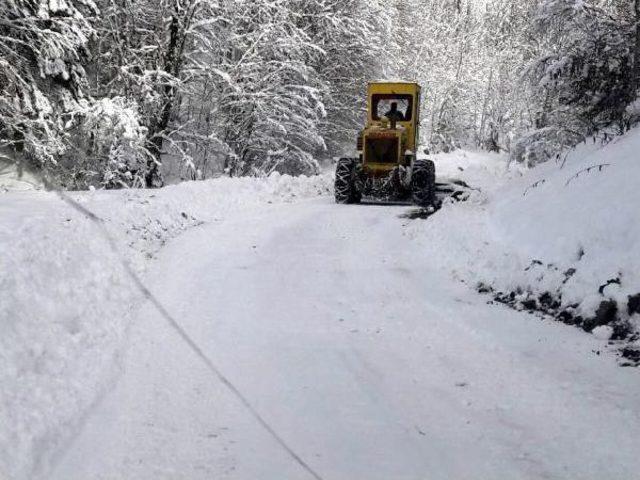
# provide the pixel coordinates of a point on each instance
(387, 166)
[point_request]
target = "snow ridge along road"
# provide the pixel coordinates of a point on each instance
(366, 357)
(66, 302)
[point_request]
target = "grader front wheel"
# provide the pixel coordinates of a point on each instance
(345, 190)
(423, 183)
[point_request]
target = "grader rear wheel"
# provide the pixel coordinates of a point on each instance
(423, 183)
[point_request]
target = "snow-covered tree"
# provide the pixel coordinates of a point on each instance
(445, 46)
(583, 78)
(102, 92)
(43, 49)
(268, 100)
(107, 147)
(355, 38)
(149, 52)
(523, 76)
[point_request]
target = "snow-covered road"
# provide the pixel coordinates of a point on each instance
(368, 360)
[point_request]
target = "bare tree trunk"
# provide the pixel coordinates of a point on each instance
(483, 119)
(159, 127)
(180, 21)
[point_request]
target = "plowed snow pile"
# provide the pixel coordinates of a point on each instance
(563, 238)
(65, 298)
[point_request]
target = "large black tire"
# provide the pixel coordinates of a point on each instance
(345, 190)
(423, 183)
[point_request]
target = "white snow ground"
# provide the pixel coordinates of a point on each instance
(355, 331)
(369, 361)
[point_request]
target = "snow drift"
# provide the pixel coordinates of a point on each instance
(66, 299)
(563, 237)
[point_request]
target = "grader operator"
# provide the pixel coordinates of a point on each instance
(386, 167)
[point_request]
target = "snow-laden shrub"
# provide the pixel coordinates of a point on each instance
(108, 147)
(118, 142)
(543, 144)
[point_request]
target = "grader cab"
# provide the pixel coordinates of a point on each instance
(386, 167)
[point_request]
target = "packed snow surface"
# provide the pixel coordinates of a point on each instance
(355, 331)
(369, 361)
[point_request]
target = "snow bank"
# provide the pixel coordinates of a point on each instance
(568, 229)
(62, 318)
(66, 302)
(583, 216)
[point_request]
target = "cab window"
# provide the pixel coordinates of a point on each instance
(381, 105)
